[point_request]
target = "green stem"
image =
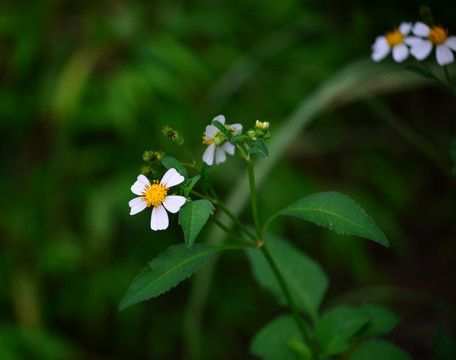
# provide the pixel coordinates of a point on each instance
(225, 228)
(253, 202)
(291, 304)
(231, 216)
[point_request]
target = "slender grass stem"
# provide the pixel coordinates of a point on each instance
(253, 201)
(290, 301)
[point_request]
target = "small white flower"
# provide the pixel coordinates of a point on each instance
(156, 195)
(392, 40)
(421, 46)
(217, 142)
(262, 125)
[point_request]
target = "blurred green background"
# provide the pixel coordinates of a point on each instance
(85, 88)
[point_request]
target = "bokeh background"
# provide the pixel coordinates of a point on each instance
(85, 88)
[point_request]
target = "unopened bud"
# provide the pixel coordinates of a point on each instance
(172, 135)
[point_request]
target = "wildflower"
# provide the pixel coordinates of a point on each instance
(217, 142)
(262, 125)
(156, 195)
(392, 40)
(421, 46)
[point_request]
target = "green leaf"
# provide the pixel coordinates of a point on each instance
(222, 129)
(170, 162)
(444, 346)
(305, 278)
(238, 138)
(192, 217)
(188, 184)
(381, 320)
(280, 339)
(337, 327)
(166, 271)
(379, 350)
(205, 171)
(338, 213)
(259, 147)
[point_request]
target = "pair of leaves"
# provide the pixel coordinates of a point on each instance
(167, 270)
(337, 212)
(305, 278)
(281, 339)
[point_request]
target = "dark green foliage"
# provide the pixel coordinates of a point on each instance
(444, 345)
(193, 216)
(259, 147)
(379, 350)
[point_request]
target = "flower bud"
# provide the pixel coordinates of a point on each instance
(172, 135)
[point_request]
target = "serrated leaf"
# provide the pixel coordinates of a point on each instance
(337, 212)
(381, 320)
(188, 184)
(305, 278)
(166, 271)
(222, 129)
(259, 147)
(444, 346)
(379, 350)
(192, 217)
(337, 327)
(280, 339)
(170, 162)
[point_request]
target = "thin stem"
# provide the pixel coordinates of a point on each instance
(291, 304)
(232, 233)
(253, 202)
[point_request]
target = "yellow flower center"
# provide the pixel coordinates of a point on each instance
(155, 194)
(208, 142)
(394, 37)
(438, 35)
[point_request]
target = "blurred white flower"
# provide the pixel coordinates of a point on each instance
(393, 40)
(426, 37)
(156, 195)
(217, 142)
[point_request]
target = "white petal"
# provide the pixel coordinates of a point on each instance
(220, 155)
(159, 219)
(173, 203)
(220, 119)
(134, 201)
(451, 42)
(228, 147)
(444, 55)
(208, 156)
(211, 130)
(236, 127)
(400, 52)
(380, 48)
(405, 27)
(138, 188)
(421, 29)
(143, 179)
(138, 207)
(421, 50)
(171, 178)
(413, 40)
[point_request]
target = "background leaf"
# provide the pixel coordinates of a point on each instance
(166, 271)
(305, 278)
(192, 217)
(444, 346)
(279, 340)
(170, 162)
(337, 327)
(336, 212)
(381, 320)
(379, 350)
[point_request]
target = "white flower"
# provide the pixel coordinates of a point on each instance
(156, 195)
(436, 35)
(262, 125)
(392, 40)
(217, 142)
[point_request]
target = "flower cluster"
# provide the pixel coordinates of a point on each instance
(217, 141)
(420, 44)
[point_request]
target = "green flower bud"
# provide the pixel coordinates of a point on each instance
(172, 135)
